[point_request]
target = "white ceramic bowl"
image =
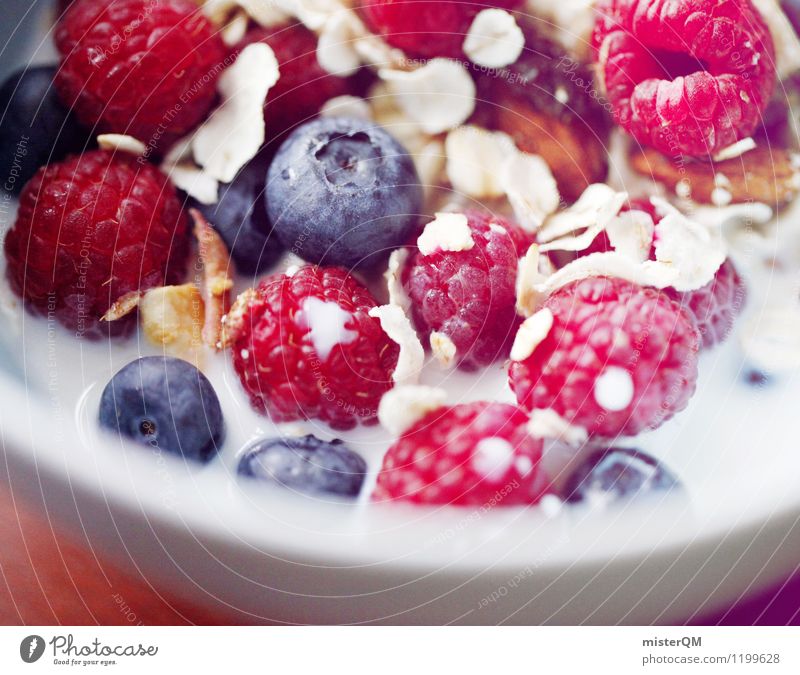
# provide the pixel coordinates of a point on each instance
(256, 554)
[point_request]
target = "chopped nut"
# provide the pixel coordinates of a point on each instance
(443, 349)
(122, 143)
(172, 316)
(233, 322)
(764, 174)
(122, 306)
(217, 277)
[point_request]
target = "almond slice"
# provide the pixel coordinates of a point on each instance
(217, 279)
(122, 306)
(764, 174)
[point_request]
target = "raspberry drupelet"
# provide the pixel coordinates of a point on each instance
(90, 230)
(469, 296)
(618, 358)
(474, 454)
(687, 77)
(305, 347)
(142, 68)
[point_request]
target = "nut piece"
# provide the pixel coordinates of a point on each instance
(217, 281)
(172, 316)
(122, 306)
(232, 323)
(576, 157)
(763, 174)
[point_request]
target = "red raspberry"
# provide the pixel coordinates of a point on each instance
(619, 358)
(303, 86)
(714, 307)
(307, 348)
(139, 67)
(687, 77)
(426, 28)
(476, 454)
(470, 296)
(89, 230)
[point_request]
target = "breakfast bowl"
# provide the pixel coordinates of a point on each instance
(181, 413)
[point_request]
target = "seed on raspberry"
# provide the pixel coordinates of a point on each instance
(90, 230)
(618, 358)
(139, 67)
(426, 28)
(689, 77)
(475, 454)
(303, 86)
(469, 296)
(306, 348)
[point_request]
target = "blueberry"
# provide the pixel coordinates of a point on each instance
(240, 217)
(343, 192)
(306, 464)
(166, 403)
(617, 474)
(35, 128)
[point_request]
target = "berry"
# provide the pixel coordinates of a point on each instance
(240, 217)
(306, 464)
(165, 403)
(475, 454)
(715, 306)
(35, 127)
(426, 28)
(689, 77)
(619, 358)
(617, 474)
(306, 347)
(469, 296)
(90, 230)
(546, 102)
(304, 86)
(143, 68)
(343, 192)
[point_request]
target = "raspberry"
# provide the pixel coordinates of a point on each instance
(89, 230)
(475, 454)
(307, 349)
(303, 86)
(714, 307)
(687, 77)
(619, 358)
(469, 296)
(426, 28)
(139, 67)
